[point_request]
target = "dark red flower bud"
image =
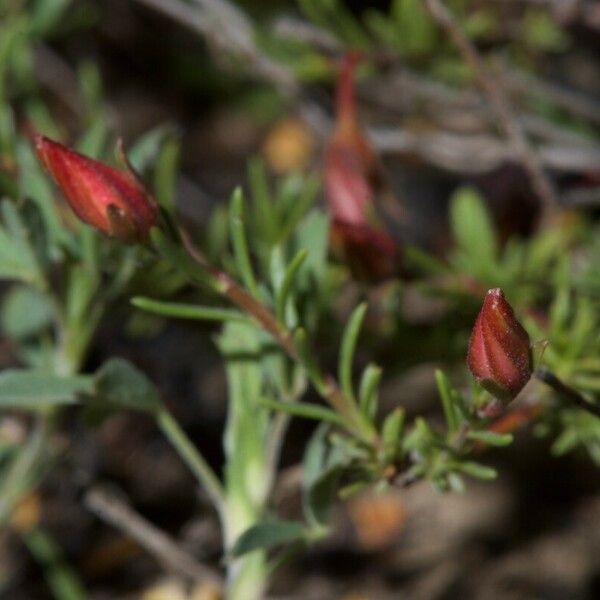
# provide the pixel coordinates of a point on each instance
(112, 201)
(499, 350)
(350, 162)
(353, 187)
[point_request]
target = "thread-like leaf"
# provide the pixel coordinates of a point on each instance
(391, 432)
(240, 243)
(188, 311)
(308, 361)
(283, 292)
(477, 470)
(445, 391)
(348, 347)
(491, 438)
(368, 390)
(305, 410)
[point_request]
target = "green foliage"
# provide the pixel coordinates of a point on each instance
(266, 283)
(477, 247)
(18, 260)
(541, 32)
(119, 384)
(268, 534)
(323, 466)
(62, 579)
(28, 389)
(347, 349)
(26, 312)
(178, 310)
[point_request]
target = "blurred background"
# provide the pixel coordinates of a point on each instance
(217, 84)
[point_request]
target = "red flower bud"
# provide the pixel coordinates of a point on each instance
(353, 186)
(112, 201)
(499, 350)
(350, 162)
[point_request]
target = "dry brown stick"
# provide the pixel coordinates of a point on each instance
(468, 154)
(569, 100)
(110, 508)
(512, 129)
(226, 28)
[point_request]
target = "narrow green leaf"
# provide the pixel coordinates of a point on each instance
(268, 534)
(472, 227)
(477, 470)
(305, 410)
(61, 578)
(267, 218)
(445, 391)
(188, 311)
(239, 241)
(165, 173)
(368, 390)
(391, 433)
(283, 292)
(301, 205)
(29, 389)
(307, 357)
(491, 438)
(323, 465)
(348, 347)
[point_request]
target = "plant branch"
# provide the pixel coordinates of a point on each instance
(226, 28)
(328, 387)
(542, 185)
(119, 514)
(568, 393)
(192, 457)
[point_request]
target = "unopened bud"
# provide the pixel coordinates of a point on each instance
(112, 201)
(353, 186)
(499, 349)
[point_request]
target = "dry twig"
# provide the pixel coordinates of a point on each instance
(540, 181)
(108, 507)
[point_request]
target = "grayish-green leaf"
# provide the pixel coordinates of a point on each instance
(120, 384)
(268, 534)
(348, 346)
(188, 311)
(306, 410)
(30, 389)
(25, 312)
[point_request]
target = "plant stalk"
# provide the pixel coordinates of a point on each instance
(328, 387)
(192, 457)
(564, 391)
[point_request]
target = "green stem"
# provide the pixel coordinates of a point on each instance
(62, 579)
(21, 475)
(192, 457)
(326, 385)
